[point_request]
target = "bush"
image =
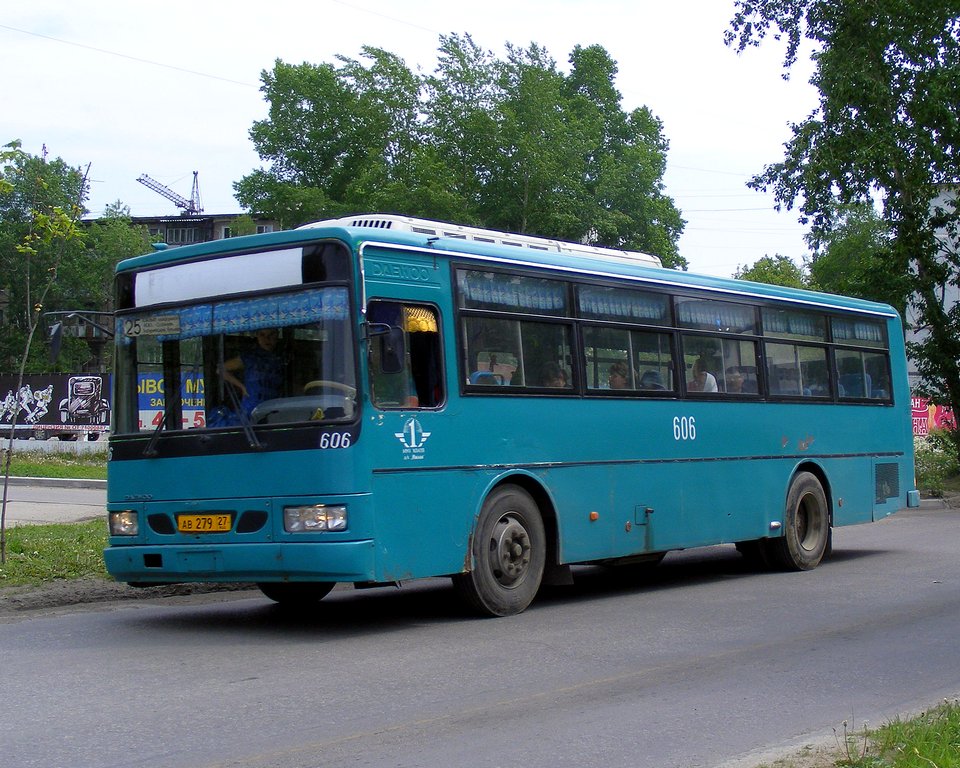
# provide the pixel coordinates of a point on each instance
(936, 460)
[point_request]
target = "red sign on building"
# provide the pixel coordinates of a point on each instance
(927, 416)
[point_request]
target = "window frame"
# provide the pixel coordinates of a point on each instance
(441, 401)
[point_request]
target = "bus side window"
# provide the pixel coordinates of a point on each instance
(412, 377)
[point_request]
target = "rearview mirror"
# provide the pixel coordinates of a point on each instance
(392, 350)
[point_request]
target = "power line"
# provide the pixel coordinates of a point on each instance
(710, 170)
(394, 19)
(725, 210)
(127, 56)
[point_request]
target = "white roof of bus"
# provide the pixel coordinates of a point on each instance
(460, 232)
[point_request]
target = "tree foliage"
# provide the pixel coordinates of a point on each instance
(853, 258)
(48, 261)
(513, 144)
(37, 197)
(886, 127)
(774, 270)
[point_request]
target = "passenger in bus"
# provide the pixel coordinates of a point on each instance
(703, 380)
(734, 380)
(651, 380)
(258, 372)
(739, 382)
(618, 376)
(552, 375)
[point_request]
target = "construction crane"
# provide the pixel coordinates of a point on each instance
(189, 207)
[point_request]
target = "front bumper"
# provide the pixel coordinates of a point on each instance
(348, 561)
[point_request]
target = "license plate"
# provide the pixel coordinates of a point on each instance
(215, 523)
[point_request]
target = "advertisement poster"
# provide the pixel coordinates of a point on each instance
(927, 416)
(150, 392)
(56, 405)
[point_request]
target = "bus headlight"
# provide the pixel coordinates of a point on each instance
(315, 517)
(124, 523)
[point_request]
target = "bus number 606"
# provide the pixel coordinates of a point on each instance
(335, 440)
(684, 428)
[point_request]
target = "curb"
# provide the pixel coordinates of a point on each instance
(59, 482)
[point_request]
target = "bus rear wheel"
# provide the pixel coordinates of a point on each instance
(806, 535)
(508, 554)
(296, 594)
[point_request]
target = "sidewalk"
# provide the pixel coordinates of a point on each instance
(32, 500)
(59, 482)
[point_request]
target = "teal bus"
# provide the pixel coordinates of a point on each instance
(378, 399)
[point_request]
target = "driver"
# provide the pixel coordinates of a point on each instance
(258, 372)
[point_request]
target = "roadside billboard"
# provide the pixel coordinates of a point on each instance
(62, 405)
(151, 394)
(926, 416)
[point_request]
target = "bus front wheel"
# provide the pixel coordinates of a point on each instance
(296, 594)
(508, 554)
(806, 535)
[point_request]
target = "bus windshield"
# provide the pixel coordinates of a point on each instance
(267, 360)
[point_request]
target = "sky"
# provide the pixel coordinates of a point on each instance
(170, 88)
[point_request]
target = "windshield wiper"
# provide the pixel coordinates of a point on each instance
(252, 439)
(151, 450)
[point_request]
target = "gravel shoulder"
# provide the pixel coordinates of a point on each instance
(64, 593)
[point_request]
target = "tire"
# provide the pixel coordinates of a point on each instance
(806, 526)
(508, 554)
(296, 594)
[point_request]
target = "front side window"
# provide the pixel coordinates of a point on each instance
(404, 355)
(267, 360)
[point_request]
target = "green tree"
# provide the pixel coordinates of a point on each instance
(852, 258)
(86, 281)
(243, 225)
(40, 203)
(464, 100)
(47, 231)
(510, 144)
(887, 126)
(43, 249)
(32, 190)
(774, 270)
(625, 163)
(313, 141)
(535, 182)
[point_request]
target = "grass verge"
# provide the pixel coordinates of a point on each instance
(929, 740)
(41, 553)
(87, 466)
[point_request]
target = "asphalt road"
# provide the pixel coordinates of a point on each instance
(700, 663)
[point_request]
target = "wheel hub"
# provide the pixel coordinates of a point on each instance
(509, 551)
(807, 525)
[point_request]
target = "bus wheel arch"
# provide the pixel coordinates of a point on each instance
(806, 538)
(508, 550)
